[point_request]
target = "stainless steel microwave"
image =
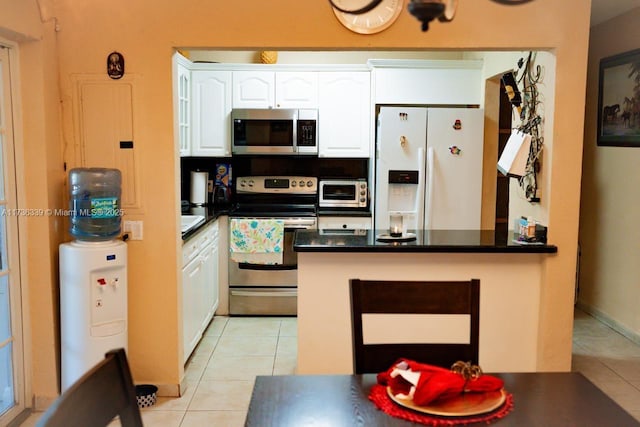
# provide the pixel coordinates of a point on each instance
(274, 131)
(344, 193)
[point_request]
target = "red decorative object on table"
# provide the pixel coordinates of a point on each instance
(433, 396)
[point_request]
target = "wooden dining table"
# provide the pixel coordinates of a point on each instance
(539, 399)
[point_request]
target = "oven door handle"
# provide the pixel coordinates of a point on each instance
(300, 223)
(265, 267)
(264, 293)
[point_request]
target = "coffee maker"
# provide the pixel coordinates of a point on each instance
(221, 196)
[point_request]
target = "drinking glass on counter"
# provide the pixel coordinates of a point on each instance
(395, 225)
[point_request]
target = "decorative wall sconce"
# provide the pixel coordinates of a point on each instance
(424, 10)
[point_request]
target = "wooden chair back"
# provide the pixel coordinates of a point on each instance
(413, 297)
(95, 399)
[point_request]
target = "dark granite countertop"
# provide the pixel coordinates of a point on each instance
(210, 213)
(451, 241)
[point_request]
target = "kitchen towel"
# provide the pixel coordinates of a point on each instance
(256, 241)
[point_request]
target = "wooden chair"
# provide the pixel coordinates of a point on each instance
(402, 297)
(97, 397)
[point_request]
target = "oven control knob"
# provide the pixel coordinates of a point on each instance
(301, 183)
(362, 200)
(362, 193)
(294, 183)
(309, 183)
(251, 183)
(362, 185)
(242, 183)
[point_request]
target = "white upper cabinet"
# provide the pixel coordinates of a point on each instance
(423, 82)
(344, 116)
(296, 89)
(211, 113)
(253, 89)
(279, 89)
(182, 104)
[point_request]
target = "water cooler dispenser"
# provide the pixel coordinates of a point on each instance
(93, 274)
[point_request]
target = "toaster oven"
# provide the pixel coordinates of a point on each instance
(343, 193)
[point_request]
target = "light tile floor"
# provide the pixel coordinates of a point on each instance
(221, 372)
(608, 359)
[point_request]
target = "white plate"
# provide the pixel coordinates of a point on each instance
(464, 405)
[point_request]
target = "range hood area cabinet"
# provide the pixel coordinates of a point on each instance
(343, 100)
(275, 89)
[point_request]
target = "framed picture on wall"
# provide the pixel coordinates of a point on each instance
(619, 100)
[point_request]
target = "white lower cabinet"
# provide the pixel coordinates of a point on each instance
(344, 223)
(199, 285)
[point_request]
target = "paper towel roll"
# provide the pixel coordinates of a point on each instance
(199, 188)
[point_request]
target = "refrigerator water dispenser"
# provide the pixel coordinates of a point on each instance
(403, 198)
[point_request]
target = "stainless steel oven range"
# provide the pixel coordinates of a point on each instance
(263, 289)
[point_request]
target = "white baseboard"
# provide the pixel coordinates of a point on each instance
(610, 322)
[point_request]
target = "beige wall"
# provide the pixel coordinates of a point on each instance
(315, 57)
(508, 313)
(40, 178)
(610, 208)
(496, 64)
(146, 33)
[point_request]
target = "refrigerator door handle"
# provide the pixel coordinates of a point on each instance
(419, 208)
(429, 204)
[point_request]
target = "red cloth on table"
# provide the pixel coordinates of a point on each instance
(434, 383)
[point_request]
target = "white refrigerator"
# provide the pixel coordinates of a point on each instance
(429, 167)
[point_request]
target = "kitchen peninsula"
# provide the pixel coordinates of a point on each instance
(510, 277)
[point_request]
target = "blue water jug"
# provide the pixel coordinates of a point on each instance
(95, 203)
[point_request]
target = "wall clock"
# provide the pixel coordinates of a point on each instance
(372, 21)
(450, 7)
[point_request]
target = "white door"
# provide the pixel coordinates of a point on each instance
(455, 139)
(400, 146)
(12, 377)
